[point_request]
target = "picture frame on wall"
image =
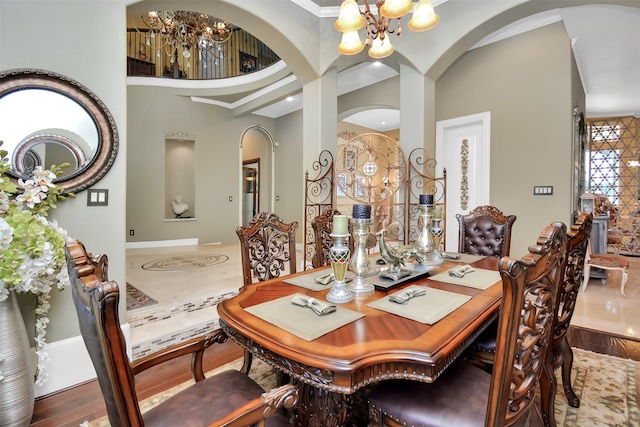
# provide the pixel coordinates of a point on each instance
(247, 63)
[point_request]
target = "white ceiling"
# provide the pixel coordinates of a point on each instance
(605, 41)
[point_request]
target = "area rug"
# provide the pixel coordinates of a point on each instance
(136, 298)
(606, 386)
(186, 262)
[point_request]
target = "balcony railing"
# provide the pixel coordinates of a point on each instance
(243, 53)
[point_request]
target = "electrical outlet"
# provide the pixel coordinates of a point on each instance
(130, 232)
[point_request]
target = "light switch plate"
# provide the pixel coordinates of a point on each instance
(97, 197)
(543, 190)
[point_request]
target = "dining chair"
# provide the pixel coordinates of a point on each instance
(485, 231)
(466, 395)
(608, 262)
(322, 226)
(229, 398)
(482, 350)
(267, 247)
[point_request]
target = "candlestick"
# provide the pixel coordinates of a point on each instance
(340, 224)
(359, 263)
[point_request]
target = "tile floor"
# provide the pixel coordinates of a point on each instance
(187, 297)
(603, 308)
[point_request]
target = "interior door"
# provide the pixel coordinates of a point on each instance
(463, 148)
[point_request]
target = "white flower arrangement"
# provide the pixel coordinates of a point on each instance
(32, 256)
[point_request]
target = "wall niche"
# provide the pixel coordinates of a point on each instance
(180, 189)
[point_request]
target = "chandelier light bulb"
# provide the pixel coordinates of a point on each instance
(424, 17)
(349, 18)
(350, 44)
(186, 53)
(395, 8)
(381, 47)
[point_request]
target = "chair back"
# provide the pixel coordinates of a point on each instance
(577, 244)
(485, 231)
(268, 247)
(96, 302)
(526, 315)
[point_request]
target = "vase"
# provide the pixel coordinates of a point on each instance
(17, 388)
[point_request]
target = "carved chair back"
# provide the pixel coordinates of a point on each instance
(96, 302)
(322, 226)
(267, 247)
(577, 243)
(485, 231)
(530, 287)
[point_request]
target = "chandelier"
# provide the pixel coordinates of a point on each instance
(171, 31)
(351, 19)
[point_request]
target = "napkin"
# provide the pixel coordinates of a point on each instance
(319, 307)
(328, 278)
(404, 296)
(461, 271)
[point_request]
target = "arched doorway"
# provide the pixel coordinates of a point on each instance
(257, 166)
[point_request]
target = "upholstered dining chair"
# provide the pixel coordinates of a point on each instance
(230, 398)
(485, 231)
(482, 351)
(267, 247)
(322, 226)
(466, 395)
(609, 262)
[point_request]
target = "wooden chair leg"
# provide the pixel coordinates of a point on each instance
(567, 365)
(547, 395)
(246, 365)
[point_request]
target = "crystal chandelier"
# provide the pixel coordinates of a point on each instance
(172, 31)
(351, 19)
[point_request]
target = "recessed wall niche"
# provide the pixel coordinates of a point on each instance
(180, 192)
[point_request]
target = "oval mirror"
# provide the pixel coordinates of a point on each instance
(49, 119)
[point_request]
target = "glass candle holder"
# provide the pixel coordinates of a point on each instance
(339, 255)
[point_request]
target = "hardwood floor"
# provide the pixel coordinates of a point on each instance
(84, 402)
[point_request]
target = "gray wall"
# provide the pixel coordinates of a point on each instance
(529, 84)
(98, 62)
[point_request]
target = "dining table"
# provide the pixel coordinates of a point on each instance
(333, 357)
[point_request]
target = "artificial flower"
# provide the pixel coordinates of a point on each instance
(32, 256)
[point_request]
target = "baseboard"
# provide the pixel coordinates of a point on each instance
(70, 364)
(162, 243)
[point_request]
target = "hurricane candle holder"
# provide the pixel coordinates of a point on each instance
(339, 256)
(359, 263)
(424, 243)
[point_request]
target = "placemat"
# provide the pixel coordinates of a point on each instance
(465, 258)
(308, 280)
(302, 321)
(479, 279)
(428, 308)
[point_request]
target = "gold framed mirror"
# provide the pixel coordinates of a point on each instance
(47, 118)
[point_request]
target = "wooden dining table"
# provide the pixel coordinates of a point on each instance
(332, 370)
